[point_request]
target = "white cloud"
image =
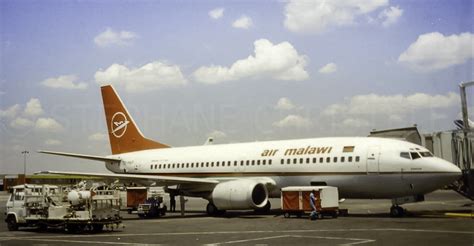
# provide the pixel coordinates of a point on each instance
(217, 134)
(98, 137)
(64, 82)
(33, 108)
(434, 51)
(110, 37)
(10, 112)
(316, 16)
(295, 121)
(21, 123)
(390, 16)
(244, 22)
(285, 103)
(397, 105)
(328, 68)
(280, 61)
(216, 13)
(358, 123)
(48, 124)
(52, 142)
(151, 76)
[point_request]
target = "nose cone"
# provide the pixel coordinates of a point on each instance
(448, 170)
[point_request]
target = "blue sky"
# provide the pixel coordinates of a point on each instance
(322, 68)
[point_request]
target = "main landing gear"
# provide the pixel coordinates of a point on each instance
(397, 211)
(212, 210)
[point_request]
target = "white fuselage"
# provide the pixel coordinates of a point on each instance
(359, 167)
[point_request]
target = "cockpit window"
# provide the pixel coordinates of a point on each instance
(426, 154)
(405, 155)
(415, 155)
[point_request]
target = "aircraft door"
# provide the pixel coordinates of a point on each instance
(373, 157)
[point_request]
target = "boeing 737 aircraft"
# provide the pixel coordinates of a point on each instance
(245, 175)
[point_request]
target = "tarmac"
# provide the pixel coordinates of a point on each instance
(444, 218)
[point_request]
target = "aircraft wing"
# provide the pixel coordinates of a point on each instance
(158, 180)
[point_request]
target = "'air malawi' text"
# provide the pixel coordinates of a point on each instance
(299, 151)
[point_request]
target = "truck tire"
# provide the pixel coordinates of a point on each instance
(11, 223)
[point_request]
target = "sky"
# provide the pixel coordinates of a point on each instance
(239, 71)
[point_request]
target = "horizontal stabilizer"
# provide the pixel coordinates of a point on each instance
(88, 157)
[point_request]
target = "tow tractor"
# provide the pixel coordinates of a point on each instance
(152, 208)
(88, 207)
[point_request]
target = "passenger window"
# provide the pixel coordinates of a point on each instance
(192, 165)
(156, 166)
(288, 161)
(264, 162)
(357, 159)
(241, 163)
(173, 165)
(282, 161)
(328, 159)
(335, 159)
(212, 164)
(307, 160)
(321, 160)
(270, 162)
(405, 155)
(342, 159)
(314, 160)
(235, 163)
(349, 159)
(217, 164)
(258, 162)
(414, 155)
(301, 160)
(207, 164)
(228, 163)
(151, 166)
(247, 162)
(253, 162)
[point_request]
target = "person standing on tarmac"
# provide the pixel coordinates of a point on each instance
(172, 203)
(312, 202)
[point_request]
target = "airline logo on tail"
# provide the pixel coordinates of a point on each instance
(119, 124)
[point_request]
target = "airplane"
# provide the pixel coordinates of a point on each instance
(243, 176)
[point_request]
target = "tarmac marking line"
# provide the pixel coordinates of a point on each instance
(230, 232)
(249, 240)
(81, 241)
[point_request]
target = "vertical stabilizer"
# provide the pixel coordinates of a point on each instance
(124, 134)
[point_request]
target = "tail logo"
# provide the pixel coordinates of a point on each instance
(119, 124)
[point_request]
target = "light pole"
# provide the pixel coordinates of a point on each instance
(24, 152)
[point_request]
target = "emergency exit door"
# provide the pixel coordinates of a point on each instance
(373, 156)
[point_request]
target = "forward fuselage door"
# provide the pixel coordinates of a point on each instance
(373, 158)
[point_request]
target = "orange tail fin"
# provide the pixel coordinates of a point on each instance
(124, 134)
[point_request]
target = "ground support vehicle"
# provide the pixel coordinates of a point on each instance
(75, 210)
(152, 208)
(295, 200)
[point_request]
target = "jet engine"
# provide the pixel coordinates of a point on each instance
(240, 194)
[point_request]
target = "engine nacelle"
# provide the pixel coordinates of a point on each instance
(239, 194)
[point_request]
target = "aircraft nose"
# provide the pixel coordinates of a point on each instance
(449, 169)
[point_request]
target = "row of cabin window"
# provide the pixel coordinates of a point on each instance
(211, 164)
(321, 160)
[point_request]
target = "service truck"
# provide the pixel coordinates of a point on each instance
(75, 210)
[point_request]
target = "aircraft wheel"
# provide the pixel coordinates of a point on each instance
(286, 215)
(396, 211)
(211, 209)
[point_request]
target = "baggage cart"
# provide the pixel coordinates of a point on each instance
(295, 200)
